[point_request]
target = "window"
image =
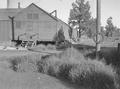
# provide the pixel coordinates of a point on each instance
(32, 16)
(18, 24)
(29, 16)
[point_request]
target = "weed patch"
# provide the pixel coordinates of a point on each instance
(79, 70)
(71, 65)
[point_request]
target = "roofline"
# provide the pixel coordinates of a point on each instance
(38, 8)
(49, 14)
(55, 18)
(43, 11)
(64, 22)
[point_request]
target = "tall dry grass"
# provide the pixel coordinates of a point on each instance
(71, 65)
(79, 70)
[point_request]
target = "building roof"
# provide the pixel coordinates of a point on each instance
(5, 12)
(43, 11)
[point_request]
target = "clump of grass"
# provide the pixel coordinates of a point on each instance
(49, 65)
(71, 65)
(51, 47)
(71, 54)
(64, 70)
(18, 63)
(15, 63)
(94, 74)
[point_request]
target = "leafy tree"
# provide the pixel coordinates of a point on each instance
(80, 15)
(89, 33)
(109, 27)
(59, 37)
(103, 31)
(70, 31)
(91, 27)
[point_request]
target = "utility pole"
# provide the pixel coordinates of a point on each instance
(12, 25)
(98, 26)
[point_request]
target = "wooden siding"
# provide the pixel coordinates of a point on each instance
(5, 30)
(45, 25)
(45, 29)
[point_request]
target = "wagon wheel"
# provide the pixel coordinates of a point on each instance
(28, 45)
(34, 44)
(23, 44)
(100, 39)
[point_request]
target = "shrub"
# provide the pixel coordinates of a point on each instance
(51, 47)
(59, 37)
(81, 71)
(24, 63)
(49, 65)
(94, 74)
(63, 45)
(72, 66)
(15, 63)
(71, 54)
(64, 70)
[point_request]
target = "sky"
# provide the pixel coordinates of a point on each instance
(108, 8)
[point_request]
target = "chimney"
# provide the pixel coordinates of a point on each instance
(8, 2)
(19, 5)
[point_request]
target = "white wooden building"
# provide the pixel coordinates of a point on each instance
(31, 22)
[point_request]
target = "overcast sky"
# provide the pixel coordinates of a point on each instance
(108, 8)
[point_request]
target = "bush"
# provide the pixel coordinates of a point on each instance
(64, 70)
(63, 45)
(72, 66)
(71, 54)
(94, 74)
(15, 63)
(49, 65)
(59, 36)
(24, 63)
(51, 47)
(84, 72)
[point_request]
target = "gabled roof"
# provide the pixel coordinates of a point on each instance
(4, 13)
(43, 10)
(48, 14)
